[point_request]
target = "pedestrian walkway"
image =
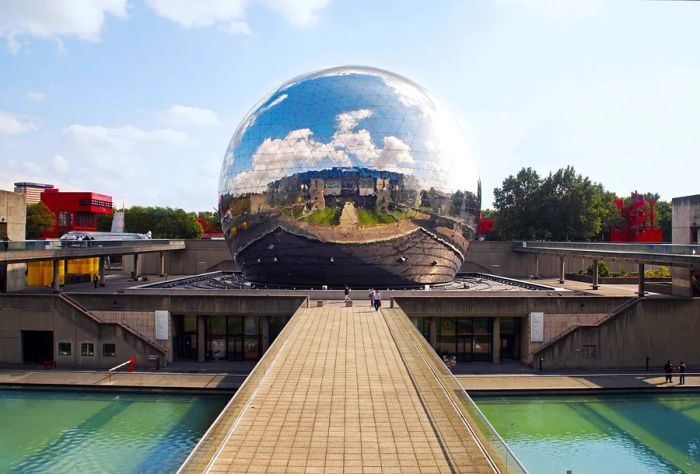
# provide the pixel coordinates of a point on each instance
(341, 390)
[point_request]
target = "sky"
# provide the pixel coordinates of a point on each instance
(139, 99)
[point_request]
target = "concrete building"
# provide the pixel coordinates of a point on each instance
(685, 224)
(32, 191)
(13, 221)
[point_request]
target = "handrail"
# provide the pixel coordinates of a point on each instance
(71, 302)
(131, 362)
(484, 432)
(614, 313)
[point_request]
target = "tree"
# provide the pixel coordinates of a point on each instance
(162, 222)
(104, 222)
(40, 219)
(562, 206)
(212, 219)
(662, 217)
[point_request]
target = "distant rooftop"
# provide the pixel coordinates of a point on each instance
(33, 185)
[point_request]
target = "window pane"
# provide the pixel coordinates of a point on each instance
(109, 350)
(252, 327)
(464, 326)
(64, 348)
(87, 349)
(447, 327)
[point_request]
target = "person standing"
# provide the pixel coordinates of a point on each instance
(95, 279)
(377, 300)
(668, 368)
(371, 297)
(347, 293)
(681, 371)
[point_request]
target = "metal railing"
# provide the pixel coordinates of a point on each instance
(34, 245)
(497, 449)
(662, 249)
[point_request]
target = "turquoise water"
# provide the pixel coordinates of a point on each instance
(100, 432)
(600, 433)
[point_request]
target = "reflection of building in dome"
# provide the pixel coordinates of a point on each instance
(349, 175)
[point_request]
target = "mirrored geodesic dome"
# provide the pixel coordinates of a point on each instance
(346, 156)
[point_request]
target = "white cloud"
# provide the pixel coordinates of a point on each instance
(121, 140)
(45, 19)
(34, 96)
(298, 150)
(59, 164)
(182, 116)
(299, 13)
(12, 125)
(226, 14)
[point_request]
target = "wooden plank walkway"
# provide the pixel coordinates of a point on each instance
(340, 390)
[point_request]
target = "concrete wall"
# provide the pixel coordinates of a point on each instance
(685, 227)
(659, 328)
(49, 313)
(144, 322)
(200, 256)
(13, 212)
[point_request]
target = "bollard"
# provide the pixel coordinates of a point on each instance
(541, 361)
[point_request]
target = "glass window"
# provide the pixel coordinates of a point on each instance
(447, 327)
(235, 325)
(84, 219)
(482, 326)
(109, 350)
(65, 219)
(190, 323)
(464, 326)
(252, 325)
(64, 348)
(87, 349)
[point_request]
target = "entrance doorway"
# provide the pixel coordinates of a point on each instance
(37, 346)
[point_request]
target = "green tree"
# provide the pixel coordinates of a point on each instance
(212, 219)
(662, 216)
(104, 222)
(40, 219)
(162, 222)
(562, 206)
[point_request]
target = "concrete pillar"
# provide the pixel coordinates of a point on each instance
(640, 291)
(265, 332)
(136, 267)
(595, 274)
(102, 270)
(562, 269)
(162, 264)
(432, 329)
(201, 338)
(56, 277)
(496, 340)
(537, 266)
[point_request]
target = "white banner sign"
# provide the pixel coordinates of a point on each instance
(162, 324)
(536, 327)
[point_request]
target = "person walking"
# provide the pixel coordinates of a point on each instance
(95, 279)
(681, 373)
(371, 297)
(377, 300)
(347, 293)
(668, 368)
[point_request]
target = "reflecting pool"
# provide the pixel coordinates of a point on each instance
(100, 432)
(600, 433)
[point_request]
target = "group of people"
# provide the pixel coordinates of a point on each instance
(668, 368)
(375, 299)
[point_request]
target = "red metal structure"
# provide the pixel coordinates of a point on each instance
(637, 221)
(75, 210)
(485, 225)
(208, 230)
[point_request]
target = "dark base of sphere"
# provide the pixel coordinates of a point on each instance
(283, 258)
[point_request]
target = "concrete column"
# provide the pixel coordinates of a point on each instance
(537, 266)
(265, 332)
(595, 274)
(562, 269)
(136, 267)
(162, 264)
(433, 332)
(640, 291)
(102, 270)
(496, 340)
(56, 277)
(201, 338)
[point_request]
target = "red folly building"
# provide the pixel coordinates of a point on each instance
(75, 210)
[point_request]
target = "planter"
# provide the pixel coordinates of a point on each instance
(629, 280)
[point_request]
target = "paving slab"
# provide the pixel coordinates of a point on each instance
(334, 393)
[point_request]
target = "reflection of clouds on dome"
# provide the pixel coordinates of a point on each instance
(277, 158)
(348, 116)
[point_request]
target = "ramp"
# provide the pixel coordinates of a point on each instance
(343, 390)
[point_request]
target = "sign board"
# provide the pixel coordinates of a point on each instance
(162, 324)
(536, 327)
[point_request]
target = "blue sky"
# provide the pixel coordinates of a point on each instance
(139, 99)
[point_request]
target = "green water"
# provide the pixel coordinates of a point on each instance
(100, 432)
(600, 433)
